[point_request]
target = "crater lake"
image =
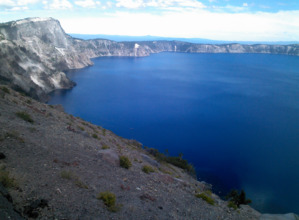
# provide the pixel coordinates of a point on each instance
(235, 117)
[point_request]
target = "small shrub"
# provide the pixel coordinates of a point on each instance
(6, 180)
(66, 174)
(108, 198)
(125, 162)
(176, 161)
(5, 90)
(105, 147)
(238, 198)
(95, 136)
(29, 101)
(206, 198)
(148, 169)
(231, 204)
(25, 116)
(104, 131)
(81, 128)
(80, 184)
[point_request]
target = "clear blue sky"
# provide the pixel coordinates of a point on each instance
(254, 20)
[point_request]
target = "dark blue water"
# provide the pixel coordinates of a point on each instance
(234, 116)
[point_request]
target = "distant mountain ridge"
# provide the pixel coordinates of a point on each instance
(122, 38)
(35, 52)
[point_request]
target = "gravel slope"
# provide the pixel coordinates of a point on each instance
(59, 166)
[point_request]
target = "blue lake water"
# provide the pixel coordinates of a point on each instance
(235, 117)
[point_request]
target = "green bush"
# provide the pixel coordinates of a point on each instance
(206, 198)
(108, 198)
(125, 162)
(25, 116)
(148, 169)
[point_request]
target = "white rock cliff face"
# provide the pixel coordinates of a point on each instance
(35, 52)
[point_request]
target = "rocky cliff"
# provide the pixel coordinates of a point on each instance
(35, 52)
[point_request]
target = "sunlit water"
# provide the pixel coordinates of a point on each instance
(234, 116)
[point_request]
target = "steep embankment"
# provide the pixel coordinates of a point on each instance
(55, 165)
(34, 52)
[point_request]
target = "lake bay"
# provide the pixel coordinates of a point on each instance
(235, 117)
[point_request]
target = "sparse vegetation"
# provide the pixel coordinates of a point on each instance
(176, 161)
(25, 116)
(69, 175)
(104, 131)
(80, 184)
(148, 169)
(15, 135)
(5, 90)
(109, 200)
(105, 147)
(66, 174)
(95, 136)
(6, 180)
(231, 204)
(81, 128)
(125, 162)
(204, 196)
(238, 198)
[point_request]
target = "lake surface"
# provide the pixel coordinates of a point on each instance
(235, 117)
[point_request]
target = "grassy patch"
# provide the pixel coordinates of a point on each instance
(66, 174)
(125, 162)
(25, 116)
(148, 169)
(206, 198)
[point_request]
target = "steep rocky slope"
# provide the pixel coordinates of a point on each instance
(57, 164)
(35, 52)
